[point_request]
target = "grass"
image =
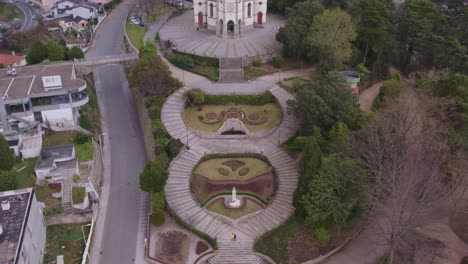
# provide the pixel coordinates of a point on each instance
(9, 12)
(67, 240)
(275, 244)
(90, 116)
(135, 33)
(44, 195)
(251, 73)
(209, 169)
(78, 194)
(83, 151)
(248, 208)
(205, 66)
(25, 178)
(272, 113)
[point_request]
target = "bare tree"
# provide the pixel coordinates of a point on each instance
(405, 157)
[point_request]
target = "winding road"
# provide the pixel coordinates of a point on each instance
(29, 20)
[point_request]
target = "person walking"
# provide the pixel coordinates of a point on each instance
(235, 237)
(232, 236)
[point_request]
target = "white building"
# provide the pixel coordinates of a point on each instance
(75, 9)
(38, 96)
(22, 228)
(57, 162)
(229, 17)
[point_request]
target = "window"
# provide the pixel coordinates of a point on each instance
(249, 10)
(211, 10)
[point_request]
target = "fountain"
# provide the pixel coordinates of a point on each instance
(234, 203)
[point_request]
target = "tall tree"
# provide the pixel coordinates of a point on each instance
(55, 51)
(330, 36)
(325, 100)
(7, 157)
(7, 180)
(75, 53)
(37, 53)
(153, 178)
(292, 35)
(335, 191)
(372, 27)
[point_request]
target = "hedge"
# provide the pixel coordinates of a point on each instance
(204, 236)
(251, 99)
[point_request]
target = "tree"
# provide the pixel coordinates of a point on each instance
(308, 166)
(158, 201)
(55, 51)
(7, 157)
(292, 35)
(7, 180)
(75, 53)
(330, 36)
(37, 53)
(372, 27)
(153, 178)
(151, 76)
(194, 96)
(148, 48)
(325, 100)
(334, 191)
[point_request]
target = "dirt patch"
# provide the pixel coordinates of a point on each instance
(303, 247)
(459, 224)
(262, 185)
(173, 247)
(234, 164)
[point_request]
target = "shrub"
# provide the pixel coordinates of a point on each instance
(159, 131)
(244, 171)
(158, 217)
(7, 180)
(201, 247)
(323, 236)
(194, 96)
(156, 37)
(251, 99)
(81, 138)
(158, 201)
(173, 147)
(223, 171)
(181, 60)
(7, 157)
(257, 62)
(75, 53)
(277, 62)
(84, 121)
(390, 88)
(200, 108)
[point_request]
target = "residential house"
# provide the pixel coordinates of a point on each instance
(80, 43)
(49, 95)
(57, 162)
(80, 23)
(85, 10)
(12, 60)
(22, 227)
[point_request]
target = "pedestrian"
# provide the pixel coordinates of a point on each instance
(198, 28)
(232, 236)
(235, 237)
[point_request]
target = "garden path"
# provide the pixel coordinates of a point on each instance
(177, 189)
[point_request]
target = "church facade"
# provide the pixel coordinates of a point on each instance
(229, 17)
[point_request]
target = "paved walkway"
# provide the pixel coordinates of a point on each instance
(180, 198)
(182, 32)
(366, 98)
(231, 70)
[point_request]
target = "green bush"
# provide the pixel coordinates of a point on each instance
(7, 156)
(323, 236)
(159, 131)
(277, 62)
(85, 122)
(81, 138)
(158, 217)
(257, 62)
(156, 37)
(244, 171)
(158, 201)
(181, 60)
(389, 89)
(252, 194)
(194, 96)
(7, 180)
(173, 147)
(251, 99)
(223, 171)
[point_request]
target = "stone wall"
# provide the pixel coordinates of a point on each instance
(145, 124)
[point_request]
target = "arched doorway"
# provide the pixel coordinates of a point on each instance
(239, 25)
(249, 10)
(260, 18)
(200, 19)
(230, 27)
(211, 10)
(221, 27)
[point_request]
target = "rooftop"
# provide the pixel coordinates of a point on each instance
(49, 155)
(12, 221)
(8, 59)
(28, 81)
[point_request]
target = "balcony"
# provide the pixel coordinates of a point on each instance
(60, 101)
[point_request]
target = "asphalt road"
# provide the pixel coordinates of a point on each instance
(29, 22)
(125, 205)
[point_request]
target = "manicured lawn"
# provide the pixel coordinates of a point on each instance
(83, 151)
(25, 177)
(205, 66)
(209, 169)
(9, 12)
(270, 111)
(136, 33)
(248, 208)
(67, 240)
(78, 194)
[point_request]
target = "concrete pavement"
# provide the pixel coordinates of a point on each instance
(120, 229)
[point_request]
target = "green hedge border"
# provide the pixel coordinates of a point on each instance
(252, 194)
(248, 99)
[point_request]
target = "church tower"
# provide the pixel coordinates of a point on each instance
(229, 18)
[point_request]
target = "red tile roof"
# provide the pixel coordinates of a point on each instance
(8, 59)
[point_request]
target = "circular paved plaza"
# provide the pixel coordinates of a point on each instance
(183, 34)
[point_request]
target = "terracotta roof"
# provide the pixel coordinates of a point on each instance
(8, 59)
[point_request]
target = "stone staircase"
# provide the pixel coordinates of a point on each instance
(236, 252)
(230, 70)
(289, 123)
(67, 195)
(171, 114)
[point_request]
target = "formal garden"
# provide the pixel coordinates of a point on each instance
(215, 176)
(205, 112)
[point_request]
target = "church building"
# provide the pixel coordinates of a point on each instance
(229, 17)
